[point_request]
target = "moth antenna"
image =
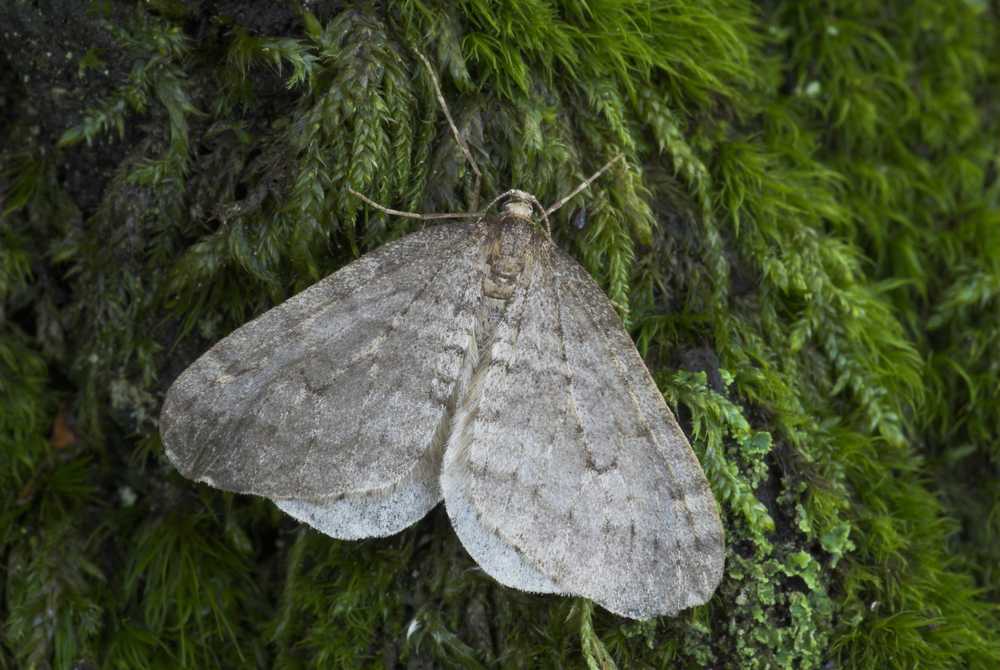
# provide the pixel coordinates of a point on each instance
(454, 131)
(587, 182)
(413, 215)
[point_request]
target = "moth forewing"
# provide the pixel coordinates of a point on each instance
(334, 397)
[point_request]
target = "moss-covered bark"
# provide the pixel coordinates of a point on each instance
(805, 245)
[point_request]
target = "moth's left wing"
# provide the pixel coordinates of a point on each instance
(565, 454)
(335, 403)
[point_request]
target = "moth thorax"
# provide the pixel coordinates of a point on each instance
(506, 261)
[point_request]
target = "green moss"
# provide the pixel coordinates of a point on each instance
(804, 240)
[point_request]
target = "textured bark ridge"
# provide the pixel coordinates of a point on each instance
(481, 364)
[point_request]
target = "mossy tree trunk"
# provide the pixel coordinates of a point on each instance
(805, 244)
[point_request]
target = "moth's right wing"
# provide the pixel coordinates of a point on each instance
(566, 472)
(335, 403)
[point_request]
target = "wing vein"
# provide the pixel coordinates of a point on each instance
(399, 320)
(660, 447)
(253, 402)
(386, 335)
(612, 352)
(578, 435)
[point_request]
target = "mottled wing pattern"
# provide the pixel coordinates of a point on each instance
(336, 401)
(566, 453)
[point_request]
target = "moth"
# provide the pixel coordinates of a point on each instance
(477, 364)
(474, 363)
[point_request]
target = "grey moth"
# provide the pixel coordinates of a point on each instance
(477, 364)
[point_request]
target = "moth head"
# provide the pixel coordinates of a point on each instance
(519, 205)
